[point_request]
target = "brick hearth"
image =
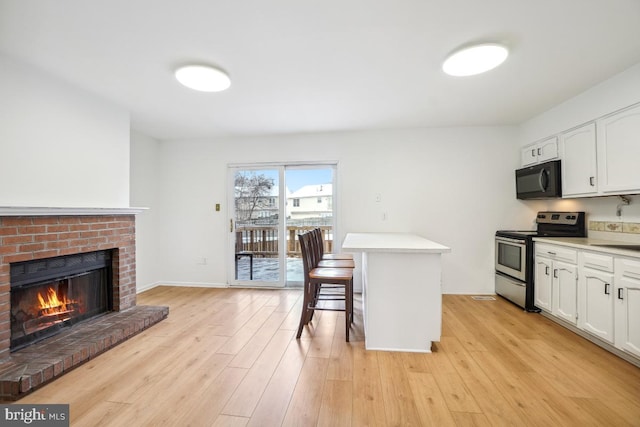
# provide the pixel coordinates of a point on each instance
(24, 238)
(46, 360)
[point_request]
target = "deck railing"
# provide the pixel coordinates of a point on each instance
(261, 240)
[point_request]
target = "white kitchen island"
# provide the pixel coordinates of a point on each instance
(402, 291)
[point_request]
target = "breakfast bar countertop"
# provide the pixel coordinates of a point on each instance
(391, 242)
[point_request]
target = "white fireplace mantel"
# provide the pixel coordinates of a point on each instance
(64, 211)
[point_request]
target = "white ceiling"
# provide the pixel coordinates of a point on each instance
(312, 66)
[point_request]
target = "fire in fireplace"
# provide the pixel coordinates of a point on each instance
(49, 294)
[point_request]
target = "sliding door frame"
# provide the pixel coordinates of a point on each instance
(232, 168)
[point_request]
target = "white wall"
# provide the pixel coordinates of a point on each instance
(145, 183)
(451, 185)
(59, 146)
(613, 94)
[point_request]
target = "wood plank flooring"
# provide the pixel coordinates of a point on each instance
(229, 357)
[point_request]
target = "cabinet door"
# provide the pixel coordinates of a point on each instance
(565, 296)
(529, 156)
(543, 284)
(540, 152)
(619, 151)
(628, 315)
(547, 149)
(578, 154)
(596, 303)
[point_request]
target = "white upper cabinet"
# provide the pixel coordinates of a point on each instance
(541, 151)
(600, 158)
(578, 154)
(619, 152)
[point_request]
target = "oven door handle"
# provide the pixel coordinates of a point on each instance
(507, 240)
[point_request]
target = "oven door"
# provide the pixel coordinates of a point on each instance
(511, 257)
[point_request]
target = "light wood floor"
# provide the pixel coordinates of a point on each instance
(229, 357)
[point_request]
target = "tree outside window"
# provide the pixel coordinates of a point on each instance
(252, 195)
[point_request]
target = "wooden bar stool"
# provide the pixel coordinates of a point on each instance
(318, 249)
(320, 284)
(318, 235)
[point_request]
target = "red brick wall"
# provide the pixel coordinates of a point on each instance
(24, 238)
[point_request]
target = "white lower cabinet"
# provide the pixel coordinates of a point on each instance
(596, 303)
(556, 281)
(627, 305)
(543, 290)
(565, 291)
(599, 292)
(596, 294)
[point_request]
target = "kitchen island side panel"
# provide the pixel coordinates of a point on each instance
(403, 301)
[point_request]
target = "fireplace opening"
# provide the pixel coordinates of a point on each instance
(53, 293)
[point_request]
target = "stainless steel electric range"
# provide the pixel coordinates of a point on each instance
(514, 278)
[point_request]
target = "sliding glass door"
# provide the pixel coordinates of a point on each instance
(270, 206)
(256, 226)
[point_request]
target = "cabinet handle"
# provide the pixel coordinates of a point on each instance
(555, 273)
(231, 225)
(606, 289)
(551, 253)
(592, 181)
(620, 293)
(533, 152)
(539, 151)
(546, 270)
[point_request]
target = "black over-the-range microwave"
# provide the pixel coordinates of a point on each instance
(541, 181)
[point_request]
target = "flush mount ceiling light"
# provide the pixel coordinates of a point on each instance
(475, 59)
(203, 78)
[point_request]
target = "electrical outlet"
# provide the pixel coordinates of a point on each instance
(217, 207)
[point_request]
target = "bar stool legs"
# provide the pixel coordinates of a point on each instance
(319, 279)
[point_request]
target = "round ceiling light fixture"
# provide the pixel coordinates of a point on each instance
(475, 59)
(204, 78)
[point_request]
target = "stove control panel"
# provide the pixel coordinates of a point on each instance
(567, 218)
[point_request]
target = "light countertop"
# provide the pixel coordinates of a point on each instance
(599, 245)
(391, 242)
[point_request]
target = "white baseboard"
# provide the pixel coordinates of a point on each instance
(150, 286)
(195, 284)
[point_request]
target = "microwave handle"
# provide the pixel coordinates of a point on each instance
(543, 179)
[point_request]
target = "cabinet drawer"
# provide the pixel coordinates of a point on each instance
(628, 268)
(597, 261)
(557, 252)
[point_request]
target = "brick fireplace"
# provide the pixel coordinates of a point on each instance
(35, 237)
